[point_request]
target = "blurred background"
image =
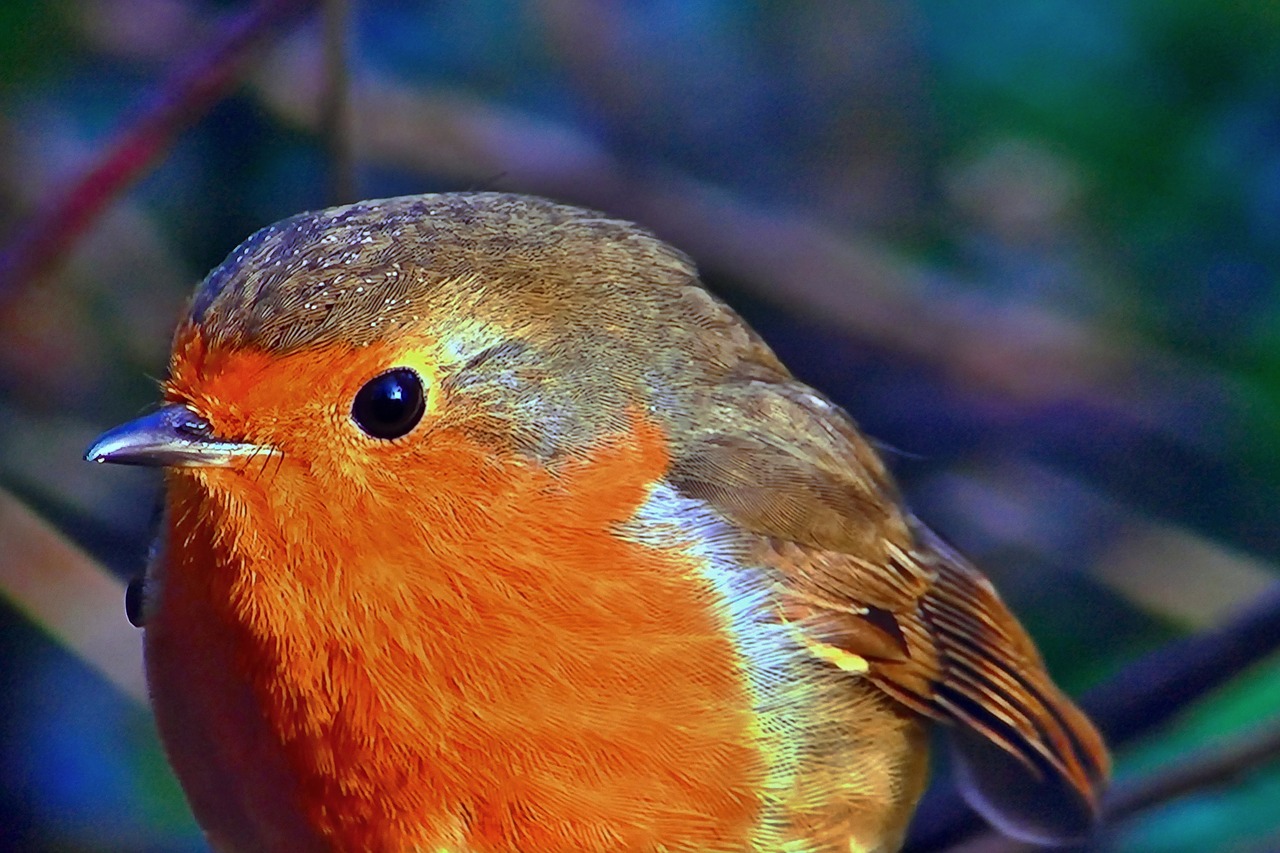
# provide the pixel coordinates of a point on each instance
(1032, 247)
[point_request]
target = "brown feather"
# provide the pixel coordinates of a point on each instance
(857, 574)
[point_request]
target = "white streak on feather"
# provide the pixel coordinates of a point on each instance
(769, 650)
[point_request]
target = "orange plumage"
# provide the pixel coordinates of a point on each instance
(489, 530)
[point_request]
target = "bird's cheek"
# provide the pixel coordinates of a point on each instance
(341, 458)
(301, 433)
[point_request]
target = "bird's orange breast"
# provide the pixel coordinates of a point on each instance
(430, 673)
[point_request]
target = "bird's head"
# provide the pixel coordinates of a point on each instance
(365, 348)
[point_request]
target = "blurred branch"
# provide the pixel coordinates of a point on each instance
(1211, 769)
(1143, 696)
(1207, 770)
(187, 95)
(64, 591)
(1152, 690)
(335, 103)
(838, 278)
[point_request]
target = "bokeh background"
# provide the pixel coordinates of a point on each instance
(1031, 246)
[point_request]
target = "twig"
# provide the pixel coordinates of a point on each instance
(1209, 770)
(79, 603)
(1158, 686)
(188, 94)
(335, 110)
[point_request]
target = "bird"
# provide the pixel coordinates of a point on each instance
(489, 529)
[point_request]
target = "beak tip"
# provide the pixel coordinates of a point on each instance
(95, 453)
(139, 442)
(171, 437)
(108, 446)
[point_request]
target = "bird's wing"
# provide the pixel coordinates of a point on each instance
(877, 593)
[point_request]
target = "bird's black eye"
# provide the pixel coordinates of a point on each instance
(390, 405)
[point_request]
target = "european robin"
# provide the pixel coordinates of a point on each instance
(489, 530)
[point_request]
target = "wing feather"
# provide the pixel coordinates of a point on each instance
(859, 575)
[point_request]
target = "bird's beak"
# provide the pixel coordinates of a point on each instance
(174, 436)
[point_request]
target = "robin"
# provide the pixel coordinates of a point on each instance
(489, 530)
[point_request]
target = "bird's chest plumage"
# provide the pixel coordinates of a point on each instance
(604, 676)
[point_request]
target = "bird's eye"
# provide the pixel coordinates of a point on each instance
(390, 405)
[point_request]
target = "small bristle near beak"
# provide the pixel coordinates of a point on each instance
(174, 436)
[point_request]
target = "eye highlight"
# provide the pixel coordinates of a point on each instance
(390, 404)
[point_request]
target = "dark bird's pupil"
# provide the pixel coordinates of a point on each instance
(390, 405)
